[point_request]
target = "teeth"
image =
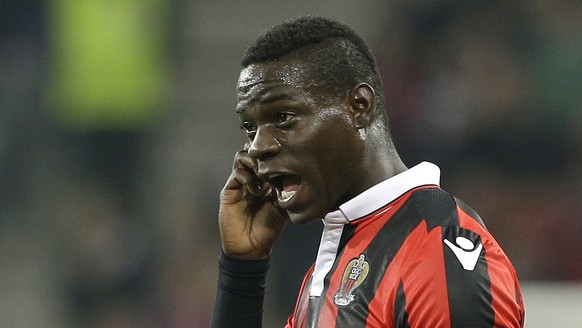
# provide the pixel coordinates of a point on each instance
(274, 175)
(285, 195)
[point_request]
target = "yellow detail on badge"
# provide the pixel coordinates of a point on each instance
(354, 274)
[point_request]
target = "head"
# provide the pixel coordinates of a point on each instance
(333, 56)
(310, 101)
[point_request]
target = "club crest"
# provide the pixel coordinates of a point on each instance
(354, 274)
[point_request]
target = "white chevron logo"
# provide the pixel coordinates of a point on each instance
(465, 252)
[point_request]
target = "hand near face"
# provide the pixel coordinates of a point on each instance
(249, 218)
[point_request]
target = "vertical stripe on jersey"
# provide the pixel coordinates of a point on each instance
(299, 317)
(469, 213)
(424, 278)
(468, 289)
(314, 316)
(506, 306)
(400, 314)
(458, 279)
(313, 308)
(379, 254)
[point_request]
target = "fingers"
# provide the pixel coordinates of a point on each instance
(243, 159)
(244, 175)
(248, 180)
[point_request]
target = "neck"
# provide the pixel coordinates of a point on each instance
(382, 159)
(385, 164)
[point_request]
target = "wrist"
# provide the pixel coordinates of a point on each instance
(246, 257)
(243, 277)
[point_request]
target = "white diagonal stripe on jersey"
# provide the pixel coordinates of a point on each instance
(332, 232)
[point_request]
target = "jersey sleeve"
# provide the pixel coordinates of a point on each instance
(470, 281)
(240, 293)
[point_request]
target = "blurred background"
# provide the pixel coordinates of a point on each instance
(117, 132)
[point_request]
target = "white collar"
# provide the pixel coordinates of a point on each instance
(385, 192)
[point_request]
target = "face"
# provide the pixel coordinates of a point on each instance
(305, 142)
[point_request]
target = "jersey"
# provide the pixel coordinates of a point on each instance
(406, 253)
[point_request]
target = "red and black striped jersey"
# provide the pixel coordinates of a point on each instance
(405, 253)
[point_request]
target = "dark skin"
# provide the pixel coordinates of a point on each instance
(308, 152)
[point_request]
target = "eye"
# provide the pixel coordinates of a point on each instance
(284, 117)
(248, 128)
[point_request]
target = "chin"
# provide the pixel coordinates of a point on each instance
(303, 218)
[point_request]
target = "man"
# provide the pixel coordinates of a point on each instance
(396, 250)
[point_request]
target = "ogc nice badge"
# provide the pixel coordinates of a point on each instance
(354, 274)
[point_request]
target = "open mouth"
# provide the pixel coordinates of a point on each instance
(285, 185)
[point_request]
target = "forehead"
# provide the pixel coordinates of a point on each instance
(267, 82)
(272, 73)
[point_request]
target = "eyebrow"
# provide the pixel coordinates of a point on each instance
(272, 97)
(265, 99)
(239, 109)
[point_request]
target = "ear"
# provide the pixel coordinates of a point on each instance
(362, 102)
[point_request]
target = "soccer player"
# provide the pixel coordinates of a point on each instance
(396, 250)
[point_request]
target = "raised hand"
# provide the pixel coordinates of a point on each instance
(249, 218)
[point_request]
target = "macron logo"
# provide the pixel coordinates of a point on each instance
(465, 251)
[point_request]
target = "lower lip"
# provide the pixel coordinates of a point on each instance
(284, 203)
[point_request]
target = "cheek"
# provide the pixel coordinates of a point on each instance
(334, 148)
(323, 139)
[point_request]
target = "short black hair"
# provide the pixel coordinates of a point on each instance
(337, 58)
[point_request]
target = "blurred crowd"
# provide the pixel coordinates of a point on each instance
(117, 131)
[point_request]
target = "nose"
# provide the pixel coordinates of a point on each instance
(264, 145)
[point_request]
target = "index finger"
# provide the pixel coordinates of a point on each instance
(243, 160)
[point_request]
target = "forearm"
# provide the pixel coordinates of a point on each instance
(240, 293)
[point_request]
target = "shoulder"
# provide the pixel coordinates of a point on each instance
(465, 266)
(438, 208)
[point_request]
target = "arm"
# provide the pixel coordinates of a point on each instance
(250, 222)
(241, 288)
